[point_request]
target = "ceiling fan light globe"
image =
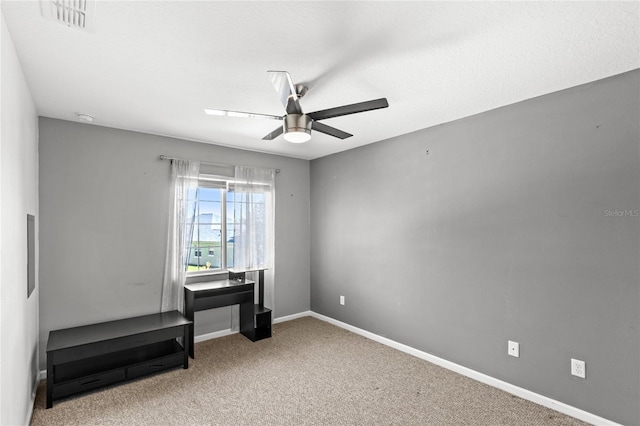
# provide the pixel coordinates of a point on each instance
(297, 128)
(297, 136)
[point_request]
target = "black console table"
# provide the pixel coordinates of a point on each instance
(255, 319)
(216, 294)
(91, 356)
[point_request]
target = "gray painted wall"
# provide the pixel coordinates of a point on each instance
(103, 210)
(18, 197)
(500, 233)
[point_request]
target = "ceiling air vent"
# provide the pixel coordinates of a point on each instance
(78, 14)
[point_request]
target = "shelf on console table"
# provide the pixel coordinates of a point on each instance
(92, 356)
(261, 314)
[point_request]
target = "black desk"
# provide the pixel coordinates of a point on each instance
(216, 294)
(96, 355)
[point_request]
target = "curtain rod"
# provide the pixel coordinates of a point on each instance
(166, 157)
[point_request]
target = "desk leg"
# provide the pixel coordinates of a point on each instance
(187, 345)
(261, 288)
(49, 380)
(188, 312)
(246, 318)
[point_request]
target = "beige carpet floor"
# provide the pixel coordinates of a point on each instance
(308, 373)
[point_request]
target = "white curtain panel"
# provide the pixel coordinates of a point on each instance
(254, 219)
(182, 209)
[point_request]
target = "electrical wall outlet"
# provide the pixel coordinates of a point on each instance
(513, 349)
(342, 300)
(578, 368)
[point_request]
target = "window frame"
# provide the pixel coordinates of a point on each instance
(222, 183)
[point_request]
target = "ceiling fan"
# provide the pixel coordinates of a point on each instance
(297, 125)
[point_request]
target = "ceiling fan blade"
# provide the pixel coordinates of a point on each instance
(331, 131)
(226, 113)
(286, 90)
(283, 84)
(277, 132)
(349, 109)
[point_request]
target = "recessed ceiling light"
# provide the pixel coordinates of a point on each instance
(84, 117)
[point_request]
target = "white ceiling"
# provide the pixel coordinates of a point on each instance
(153, 66)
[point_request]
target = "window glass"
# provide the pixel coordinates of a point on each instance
(211, 231)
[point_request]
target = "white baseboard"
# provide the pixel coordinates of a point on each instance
(561, 407)
(292, 317)
(222, 333)
(228, 331)
(214, 335)
(27, 421)
(480, 377)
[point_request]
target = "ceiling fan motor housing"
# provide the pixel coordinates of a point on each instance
(297, 127)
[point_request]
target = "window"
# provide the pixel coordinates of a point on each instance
(211, 231)
(221, 210)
